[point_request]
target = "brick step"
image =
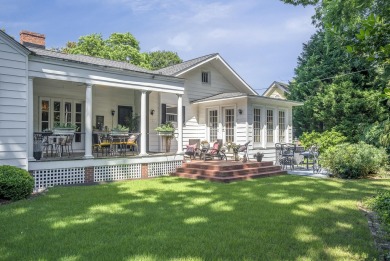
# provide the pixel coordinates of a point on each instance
(232, 178)
(225, 165)
(228, 173)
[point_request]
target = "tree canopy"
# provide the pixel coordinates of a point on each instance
(343, 69)
(121, 47)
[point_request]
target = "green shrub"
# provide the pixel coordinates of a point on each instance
(381, 205)
(324, 140)
(15, 183)
(353, 160)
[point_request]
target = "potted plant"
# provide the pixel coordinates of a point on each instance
(64, 128)
(235, 148)
(259, 156)
(166, 130)
(120, 129)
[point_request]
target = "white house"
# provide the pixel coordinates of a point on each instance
(277, 90)
(204, 97)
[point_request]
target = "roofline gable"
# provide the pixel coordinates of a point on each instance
(276, 85)
(219, 58)
(13, 43)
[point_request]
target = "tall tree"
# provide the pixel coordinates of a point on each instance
(121, 47)
(342, 70)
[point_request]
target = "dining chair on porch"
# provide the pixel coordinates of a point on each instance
(132, 143)
(99, 145)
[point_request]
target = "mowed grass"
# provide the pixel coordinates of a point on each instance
(278, 218)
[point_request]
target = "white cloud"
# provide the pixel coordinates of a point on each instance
(181, 42)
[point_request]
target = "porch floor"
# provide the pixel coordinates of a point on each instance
(227, 171)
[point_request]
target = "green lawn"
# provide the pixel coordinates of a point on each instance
(278, 218)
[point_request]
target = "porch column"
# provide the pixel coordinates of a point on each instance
(143, 124)
(180, 123)
(88, 122)
(30, 120)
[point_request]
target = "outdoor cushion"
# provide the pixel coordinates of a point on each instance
(191, 148)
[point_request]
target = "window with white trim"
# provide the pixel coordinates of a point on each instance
(206, 77)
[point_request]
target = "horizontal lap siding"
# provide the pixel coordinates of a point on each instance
(196, 90)
(13, 107)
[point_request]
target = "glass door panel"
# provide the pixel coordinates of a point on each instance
(229, 124)
(213, 125)
(78, 121)
(56, 113)
(270, 126)
(45, 112)
(257, 126)
(68, 112)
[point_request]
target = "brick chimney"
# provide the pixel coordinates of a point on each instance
(30, 39)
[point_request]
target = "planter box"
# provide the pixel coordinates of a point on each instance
(63, 131)
(119, 133)
(165, 133)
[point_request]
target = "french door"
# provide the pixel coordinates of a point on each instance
(213, 125)
(229, 125)
(221, 127)
(53, 111)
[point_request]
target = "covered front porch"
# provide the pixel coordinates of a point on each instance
(96, 100)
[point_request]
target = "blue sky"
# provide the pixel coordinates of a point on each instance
(260, 39)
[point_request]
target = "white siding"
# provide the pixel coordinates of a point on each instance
(13, 106)
(195, 89)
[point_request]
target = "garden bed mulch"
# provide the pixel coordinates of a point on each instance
(380, 236)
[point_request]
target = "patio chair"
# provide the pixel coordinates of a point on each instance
(192, 149)
(99, 145)
(287, 155)
(132, 142)
(215, 152)
(244, 149)
(62, 145)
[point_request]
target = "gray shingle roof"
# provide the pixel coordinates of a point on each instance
(284, 86)
(88, 60)
(231, 95)
(222, 96)
(174, 69)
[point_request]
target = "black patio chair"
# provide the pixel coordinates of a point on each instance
(287, 155)
(215, 152)
(244, 148)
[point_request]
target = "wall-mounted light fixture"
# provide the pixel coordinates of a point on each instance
(112, 120)
(151, 112)
(240, 111)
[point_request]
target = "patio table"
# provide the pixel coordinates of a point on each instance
(307, 155)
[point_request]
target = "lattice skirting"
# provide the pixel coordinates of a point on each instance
(163, 168)
(52, 177)
(65, 176)
(118, 172)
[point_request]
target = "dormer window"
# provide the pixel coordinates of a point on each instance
(206, 77)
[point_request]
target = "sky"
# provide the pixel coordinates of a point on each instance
(260, 39)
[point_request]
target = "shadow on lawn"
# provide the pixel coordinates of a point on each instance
(279, 218)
